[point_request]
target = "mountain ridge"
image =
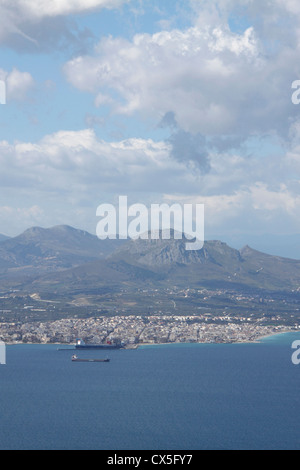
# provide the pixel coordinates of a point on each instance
(167, 262)
(59, 247)
(73, 259)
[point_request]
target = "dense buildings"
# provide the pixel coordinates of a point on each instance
(135, 330)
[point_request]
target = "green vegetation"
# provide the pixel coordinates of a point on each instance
(142, 278)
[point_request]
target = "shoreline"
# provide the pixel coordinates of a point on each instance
(135, 332)
(139, 345)
(256, 341)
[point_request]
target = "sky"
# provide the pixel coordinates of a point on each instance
(163, 101)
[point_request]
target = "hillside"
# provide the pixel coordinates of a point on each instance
(40, 250)
(167, 263)
(3, 238)
(62, 273)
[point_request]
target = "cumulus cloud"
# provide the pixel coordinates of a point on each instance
(80, 166)
(64, 177)
(68, 174)
(75, 162)
(213, 81)
(215, 87)
(257, 208)
(18, 84)
(190, 73)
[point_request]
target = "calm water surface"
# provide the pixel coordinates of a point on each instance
(179, 397)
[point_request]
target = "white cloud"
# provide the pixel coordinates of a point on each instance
(36, 25)
(189, 73)
(37, 9)
(280, 200)
(66, 175)
(79, 163)
(18, 84)
(211, 86)
(15, 219)
(257, 208)
(214, 81)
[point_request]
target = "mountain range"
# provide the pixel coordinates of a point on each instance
(40, 250)
(66, 259)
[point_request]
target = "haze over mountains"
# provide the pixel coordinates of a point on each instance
(3, 237)
(64, 259)
(61, 247)
(286, 246)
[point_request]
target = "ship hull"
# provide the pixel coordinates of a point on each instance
(96, 347)
(91, 360)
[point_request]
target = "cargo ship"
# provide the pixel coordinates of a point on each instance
(80, 344)
(76, 359)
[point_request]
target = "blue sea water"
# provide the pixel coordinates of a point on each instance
(177, 397)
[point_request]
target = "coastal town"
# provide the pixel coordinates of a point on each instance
(132, 331)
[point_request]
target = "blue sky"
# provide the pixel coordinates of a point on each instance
(53, 103)
(160, 100)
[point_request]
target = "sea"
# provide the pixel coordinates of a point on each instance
(173, 397)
